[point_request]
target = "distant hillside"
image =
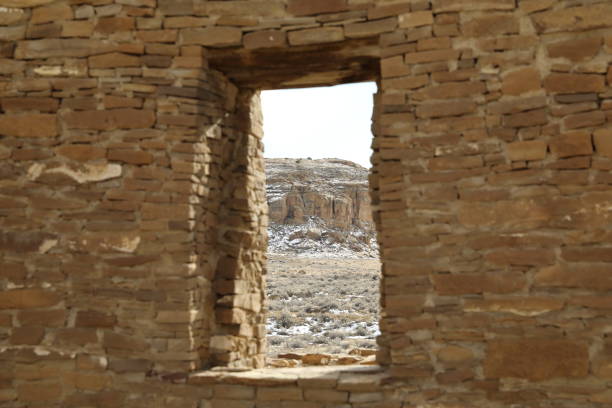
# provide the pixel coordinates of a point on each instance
(319, 208)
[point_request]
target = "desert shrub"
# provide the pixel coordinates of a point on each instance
(360, 331)
(286, 320)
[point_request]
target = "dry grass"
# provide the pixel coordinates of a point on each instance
(322, 305)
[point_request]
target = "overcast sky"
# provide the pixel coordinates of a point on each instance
(319, 122)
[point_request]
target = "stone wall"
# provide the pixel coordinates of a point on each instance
(132, 200)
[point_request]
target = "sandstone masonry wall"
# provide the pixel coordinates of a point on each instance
(132, 199)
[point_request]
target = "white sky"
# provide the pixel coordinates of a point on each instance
(329, 122)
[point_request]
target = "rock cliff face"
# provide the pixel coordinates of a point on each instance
(319, 206)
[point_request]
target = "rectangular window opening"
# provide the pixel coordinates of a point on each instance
(323, 272)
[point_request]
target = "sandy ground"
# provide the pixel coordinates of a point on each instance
(321, 305)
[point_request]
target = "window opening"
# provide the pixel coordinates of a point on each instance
(323, 264)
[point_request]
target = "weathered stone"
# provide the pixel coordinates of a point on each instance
(572, 144)
(51, 13)
(212, 36)
(521, 306)
(11, 16)
(529, 150)
(431, 56)
(454, 355)
(109, 120)
(415, 19)
(24, 3)
(451, 90)
(265, 39)
(603, 142)
(130, 156)
(310, 7)
(536, 359)
(505, 215)
(574, 18)
(114, 60)
(32, 125)
(532, 6)
(93, 318)
(14, 33)
(521, 81)
(81, 152)
(316, 36)
(462, 284)
(526, 119)
(490, 25)
(441, 109)
(110, 25)
(440, 6)
(574, 83)
(517, 105)
(368, 29)
(18, 104)
(576, 50)
(582, 120)
(27, 335)
(50, 48)
(587, 276)
(28, 298)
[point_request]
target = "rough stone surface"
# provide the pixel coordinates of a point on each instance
(133, 200)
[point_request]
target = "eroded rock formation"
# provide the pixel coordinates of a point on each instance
(319, 205)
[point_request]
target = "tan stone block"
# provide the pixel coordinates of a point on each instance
(14, 33)
(572, 144)
(312, 7)
(27, 335)
(370, 28)
(579, 18)
(10, 16)
(491, 25)
(51, 13)
(17, 104)
(529, 150)
(109, 120)
(92, 382)
(92, 318)
(431, 56)
(113, 60)
(316, 36)
(442, 109)
(416, 19)
(130, 156)
(212, 36)
(79, 337)
(536, 359)
(527, 257)
(265, 39)
(40, 392)
(408, 82)
(532, 6)
(326, 395)
(526, 119)
(241, 12)
(111, 25)
(231, 391)
(576, 50)
(388, 10)
(186, 22)
(81, 152)
(450, 163)
(463, 283)
(521, 81)
(32, 125)
(77, 28)
(585, 276)
(587, 119)
(124, 342)
(24, 3)
(521, 306)
(43, 318)
(50, 48)
(436, 43)
(440, 6)
(451, 90)
(28, 298)
(609, 76)
(163, 36)
(603, 142)
(574, 83)
(279, 394)
(9, 66)
(394, 67)
(455, 355)
(516, 105)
